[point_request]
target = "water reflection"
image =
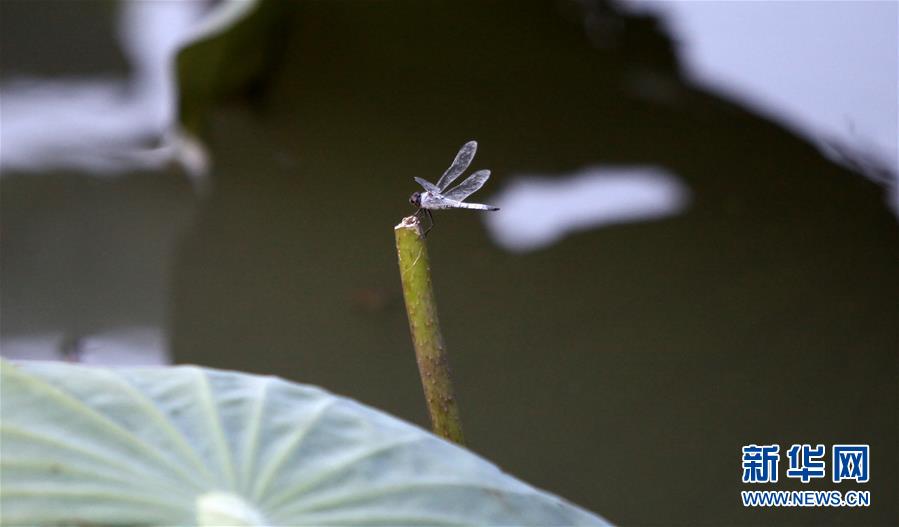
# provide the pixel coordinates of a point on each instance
(122, 346)
(85, 262)
(105, 125)
(826, 70)
(538, 211)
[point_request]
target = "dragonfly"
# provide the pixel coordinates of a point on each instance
(437, 197)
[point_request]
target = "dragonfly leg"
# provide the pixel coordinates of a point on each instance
(430, 221)
(420, 214)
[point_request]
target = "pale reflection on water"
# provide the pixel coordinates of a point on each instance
(99, 126)
(123, 346)
(538, 211)
(825, 70)
(106, 125)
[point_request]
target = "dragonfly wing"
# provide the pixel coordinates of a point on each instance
(469, 186)
(427, 185)
(463, 159)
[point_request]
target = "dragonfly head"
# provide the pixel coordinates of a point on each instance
(415, 199)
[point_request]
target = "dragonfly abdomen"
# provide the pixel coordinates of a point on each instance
(474, 206)
(429, 201)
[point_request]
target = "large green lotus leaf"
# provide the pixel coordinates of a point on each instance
(188, 445)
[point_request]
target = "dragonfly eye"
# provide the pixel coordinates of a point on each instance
(415, 199)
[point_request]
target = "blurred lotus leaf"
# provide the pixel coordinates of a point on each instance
(188, 445)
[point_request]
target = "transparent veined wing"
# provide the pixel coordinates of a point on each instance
(427, 185)
(469, 186)
(463, 159)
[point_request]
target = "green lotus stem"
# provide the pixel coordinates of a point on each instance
(430, 351)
